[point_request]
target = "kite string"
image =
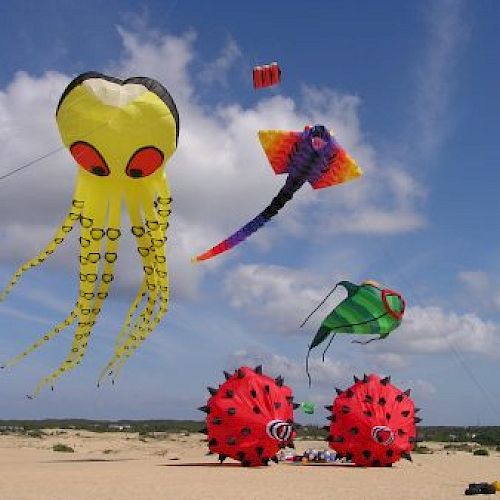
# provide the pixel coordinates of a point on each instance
(53, 151)
(320, 304)
(456, 351)
(31, 162)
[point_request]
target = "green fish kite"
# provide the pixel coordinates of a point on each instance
(368, 309)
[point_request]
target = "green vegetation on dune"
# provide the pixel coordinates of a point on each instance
(142, 426)
(62, 448)
(484, 436)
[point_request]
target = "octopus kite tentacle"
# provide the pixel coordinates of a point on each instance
(142, 331)
(142, 292)
(59, 237)
(54, 332)
(143, 248)
(104, 280)
(92, 233)
(157, 221)
(143, 245)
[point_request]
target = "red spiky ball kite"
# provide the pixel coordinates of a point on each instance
(249, 417)
(372, 422)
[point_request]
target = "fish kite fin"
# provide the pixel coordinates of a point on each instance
(320, 336)
(278, 145)
(339, 169)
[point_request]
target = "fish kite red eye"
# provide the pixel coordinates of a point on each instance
(144, 162)
(89, 158)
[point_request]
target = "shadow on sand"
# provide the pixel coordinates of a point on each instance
(237, 465)
(203, 464)
(87, 460)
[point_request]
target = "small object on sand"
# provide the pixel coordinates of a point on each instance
(481, 489)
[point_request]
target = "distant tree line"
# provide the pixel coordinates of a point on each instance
(487, 436)
(141, 426)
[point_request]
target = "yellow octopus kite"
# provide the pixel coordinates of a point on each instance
(120, 133)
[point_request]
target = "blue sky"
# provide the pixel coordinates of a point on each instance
(409, 88)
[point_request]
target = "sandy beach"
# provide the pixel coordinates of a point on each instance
(125, 466)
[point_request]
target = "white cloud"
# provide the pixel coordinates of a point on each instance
(476, 281)
(374, 221)
(447, 32)
(281, 297)
(423, 389)
(480, 289)
(220, 177)
(432, 330)
(163, 57)
(23, 315)
(386, 361)
(327, 373)
(216, 71)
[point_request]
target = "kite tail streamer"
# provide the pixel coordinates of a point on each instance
(328, 346)
(284, 195)
(309, 352)
(364, 342)
(307, 365)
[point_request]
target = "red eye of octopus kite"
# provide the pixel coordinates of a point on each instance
(144, 162)
(89, 158)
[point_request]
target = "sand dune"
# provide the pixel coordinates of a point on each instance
(122, 466)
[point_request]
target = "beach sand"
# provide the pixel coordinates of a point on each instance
(122, 466)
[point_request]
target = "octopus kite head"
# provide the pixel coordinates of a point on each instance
(123, 130)
(319, 136)
(120, 134)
